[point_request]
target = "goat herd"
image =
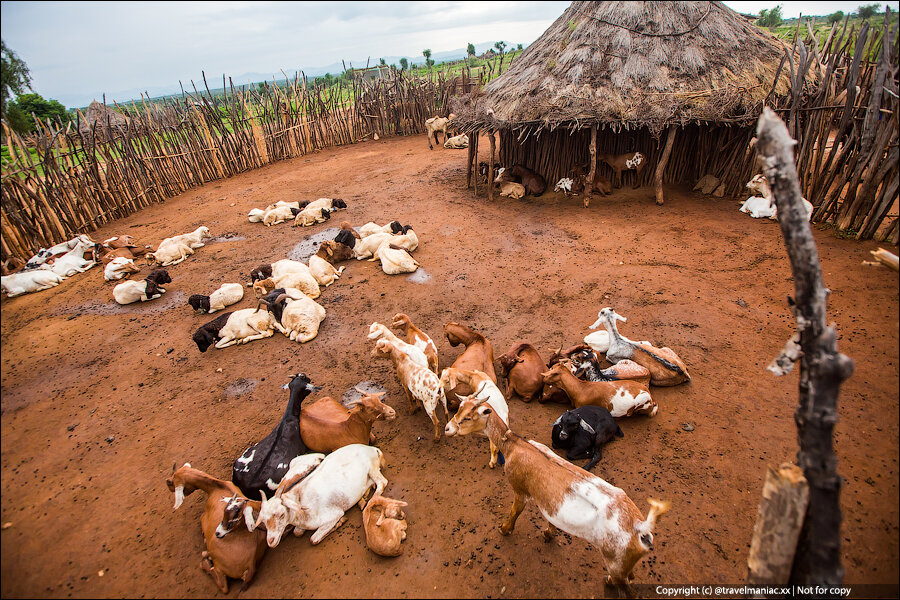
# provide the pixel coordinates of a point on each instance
(318, 461)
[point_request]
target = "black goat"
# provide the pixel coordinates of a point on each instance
(583, 431)
(208, 333)
(261, 466)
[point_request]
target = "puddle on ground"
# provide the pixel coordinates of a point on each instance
(228, 236)
(420, 275)
(111, 307)
(240, 387)
(310, 244)
(369, 387)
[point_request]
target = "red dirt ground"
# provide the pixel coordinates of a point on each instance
(695, 275)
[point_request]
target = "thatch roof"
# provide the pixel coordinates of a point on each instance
(636, 64)
(100, 114)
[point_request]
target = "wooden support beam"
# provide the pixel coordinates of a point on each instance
(589, 184)
(785, 495)
(471, 153)
(490, 182)
(661, 166)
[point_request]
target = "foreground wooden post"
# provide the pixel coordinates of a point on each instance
(473, 141)
(784, 498)
(661, 166)
(471, 153)
(822, 367)
(490, 183)
(589, 187)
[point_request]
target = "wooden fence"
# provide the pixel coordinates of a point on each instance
(72, 179)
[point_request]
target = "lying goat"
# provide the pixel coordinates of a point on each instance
(26, 282)
(385, 525)
(319, 501)
(226, 295)
(148, 289)
(583, 431)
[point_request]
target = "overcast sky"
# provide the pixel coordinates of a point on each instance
(78, 51)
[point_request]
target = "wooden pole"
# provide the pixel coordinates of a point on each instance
(822, 367)
(661, 166)
(785, 495)
(589, 184)
(490, 183)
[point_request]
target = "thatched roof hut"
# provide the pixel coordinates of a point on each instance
(97, 116)
(630, 70)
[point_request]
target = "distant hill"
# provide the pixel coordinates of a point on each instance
(125, 96)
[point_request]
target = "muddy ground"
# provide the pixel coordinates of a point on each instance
(99, 401)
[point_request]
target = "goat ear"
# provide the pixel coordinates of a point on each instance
(263, 494)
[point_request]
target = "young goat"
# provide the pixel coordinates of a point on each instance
(378, 331)
(570, 498)
(26, 282)
(665, 367)
(417, 338)
(369, 228)
(395, 260)
(436, 125)
(421, 385)
(478, 355)
(625, 162)
(485, 390)
(148, 289)
(583, 431)
(241, 327)
(236, 555)
(119, 268)
(620, 398)
(226, 295)
(385, 525)
(522, 366)
(534, 183)
(320, 264)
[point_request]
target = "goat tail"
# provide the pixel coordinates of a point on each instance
(645, 528)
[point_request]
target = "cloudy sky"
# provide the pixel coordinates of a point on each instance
(76, 51)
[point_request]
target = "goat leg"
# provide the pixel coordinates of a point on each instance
(207, 565)
(518, 506)
(325, 529)
(549, 531)
(594, 459)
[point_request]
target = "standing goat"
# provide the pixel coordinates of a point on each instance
(625, 162)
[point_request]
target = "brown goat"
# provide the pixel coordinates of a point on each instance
(620, 398)
(625, 162)
(534, 183)
(417, 338)
(385, 525)
(478, 356)
(522, 367)
(326, 425)
(334, 252)
(236, 554)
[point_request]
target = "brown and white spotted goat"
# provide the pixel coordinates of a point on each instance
(567, 496)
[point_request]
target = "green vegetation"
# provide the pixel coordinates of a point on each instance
(21, 110)
(835, 17)
(770, 17)
(867, 11)
(15, 77)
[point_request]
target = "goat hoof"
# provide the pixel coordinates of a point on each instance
(504, 530)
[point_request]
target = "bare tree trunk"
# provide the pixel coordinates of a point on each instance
(661, 166)
(491, 175)
(822, 367)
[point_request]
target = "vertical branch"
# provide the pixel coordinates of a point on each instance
(661, 166)
(822, 367)
(589, 186)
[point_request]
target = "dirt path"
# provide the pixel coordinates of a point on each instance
(99, 401)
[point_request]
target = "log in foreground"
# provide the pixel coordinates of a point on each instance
(822, 367)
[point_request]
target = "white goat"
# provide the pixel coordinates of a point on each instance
(761, 207)
(371, 227)
(366, 247)
(457, 142)
(395, 260)
(256, 215)
(298, 319)
(323, 271)
(26, 282)
(310, 216)
(435, 125)
(378, 331)
(73, 261)
(246, 325)
(170, 252)
(119, 268)
(226, 295)
(148, 288)
(320, 500)
(193, 239)
(665, 367)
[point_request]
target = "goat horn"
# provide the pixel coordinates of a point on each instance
(280, 298)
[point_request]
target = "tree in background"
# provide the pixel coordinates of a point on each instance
(28, 104)
(404, 64)
(470, 50)
(835, 17)
(382, 62)
(867, 11)
(770, 17)
(427, 54)
(501, 46)
(518, 46)
(15, 77)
